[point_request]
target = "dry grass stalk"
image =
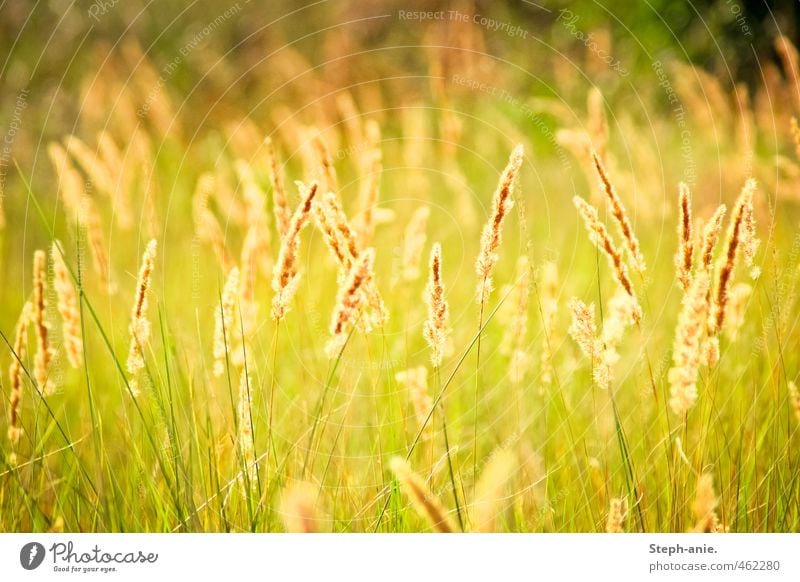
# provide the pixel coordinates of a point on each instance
(91, 164)
(425, 503)
(248, 306)
(685, 254)
(67, 308)
(548, 297)
(710, 237)
(15, 374)
(737, 302)
(285, 275)
(298, 508)
(342, 241)
(350, 117)
(280, 200)
(206, 226)
(326, 218)
(488, 499)
(139, 328)
(704, 507)
(791, 65)
(599, 236)
(327, 169)
(795, 130)
(688, 349)
(794, 399)
(371, 169)
(491, 236)
(244, 435)
(514, 340)
(225, 322)
(597, 122)
(350, 300)
(414, 242)
(415, 381)
(44, 353)
(437, 325)
(256, 215)
(584, 331)
(620, 216)
(740, 235)
(617, 514)
(111, 158)
(70, 183)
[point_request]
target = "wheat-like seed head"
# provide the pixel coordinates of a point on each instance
(414, 242)
(371, 169)
(327, 169)
(705, 505)
(91, 164)
(44, 353)
(256, 215)
(110, 158)
(685, 254)
(491, 236)
(225, 322)
(437, 326)
(281, 208)
(350, 300)
(548, 298)
(415, 381)
(740, 235)
(206, 225)
(298, 508)
(620, 216)
(584, 331)
(599, 236)
(15, 374)
(488, 499)
(70, 183)
(597, 122)
(285, 276)
(794, 128)
(687, 354)
(139, 328)
(244, 437)
(794, 399)
(426, 504)
(710, 237)
(67, 308)
(617, 513)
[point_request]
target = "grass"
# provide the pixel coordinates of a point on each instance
(95, 456)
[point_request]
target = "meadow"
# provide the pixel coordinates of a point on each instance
(281, 289)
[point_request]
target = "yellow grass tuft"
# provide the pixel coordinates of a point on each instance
(225, 322)
(704, 507)
(426, 504)
(44, 353)
(298, 508)
(617, 514)
(488, 500)
(437, 325)
(491, 236)
(285, 275)
(599, 236)
(620, 216)
(67, 308)
(350, 301)
(15, 374)
(685, 254)
(687, 352)
(139, 327)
